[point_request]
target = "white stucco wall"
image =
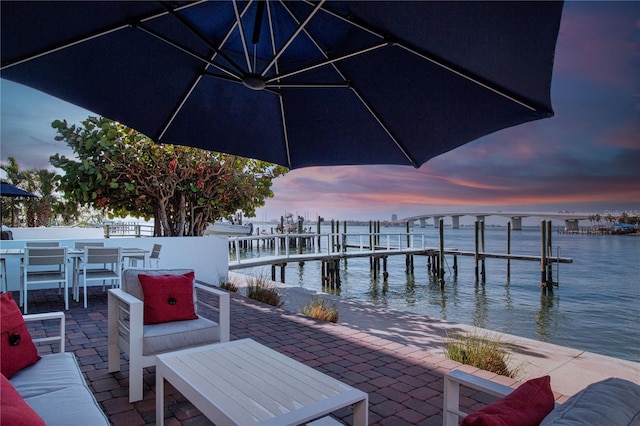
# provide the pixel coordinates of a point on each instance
(56, 233)
(207, 256)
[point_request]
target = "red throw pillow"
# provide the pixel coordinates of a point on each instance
(13, 410)
(17, 348)
(525, 406)
(167, 297)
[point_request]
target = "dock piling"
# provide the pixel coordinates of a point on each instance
(508, 250)
(441, 253)
(476, 256)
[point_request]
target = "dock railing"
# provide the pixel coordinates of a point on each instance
(330, 244)
(127, 229)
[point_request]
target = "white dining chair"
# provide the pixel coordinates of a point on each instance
(153, 257)
(44, 265)
(100, 264)
(42, 244)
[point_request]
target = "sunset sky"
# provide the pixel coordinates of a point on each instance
(584, 159)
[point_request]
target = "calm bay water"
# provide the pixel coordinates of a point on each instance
(596, 307)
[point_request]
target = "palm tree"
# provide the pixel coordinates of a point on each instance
(16, 178)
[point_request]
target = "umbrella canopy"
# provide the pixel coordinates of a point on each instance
(8, 190)
(298, 83)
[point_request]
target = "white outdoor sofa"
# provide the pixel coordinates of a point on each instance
(54, 386)
(141, 343)
(612, 402)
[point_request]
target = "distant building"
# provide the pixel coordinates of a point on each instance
(394, 217)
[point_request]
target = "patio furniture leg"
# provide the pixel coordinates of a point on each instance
(84, 295)
(135, 372)
(159, 399)
(112, 334)
(3, 265)
(66, 294)
(23, 295)
(451, 402)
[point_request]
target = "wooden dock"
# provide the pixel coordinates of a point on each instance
(288, 248)
(307, 257)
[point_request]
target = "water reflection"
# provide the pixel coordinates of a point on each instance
(438, 295)
(513, 302)
(377, 291)
(410, 290)
(545, 315)
(507, 296)
(481, 314)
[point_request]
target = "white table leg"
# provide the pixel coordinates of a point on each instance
(361, 413)
(159, 399)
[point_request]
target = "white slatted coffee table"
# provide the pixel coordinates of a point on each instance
(245, 383)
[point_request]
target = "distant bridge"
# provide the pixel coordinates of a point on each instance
(570, 219)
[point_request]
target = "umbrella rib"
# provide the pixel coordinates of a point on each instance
(197, 80)
(360, 97)
(84, 38)
(202, 36)
(230, 31)
(309, 85)
(369, 108)
(347, 20)
(63, 46)
(179, 108)
(285, 133)
(242, 36)
(322, 52)
(341, 74)
(187, 51)
(467, 77)
(271, 88)
(292, 37)
(457, 71)
(329, 61)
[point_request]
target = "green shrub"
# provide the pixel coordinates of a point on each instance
(260, 289)
(320, 310)
(480, 351)
(229, 286)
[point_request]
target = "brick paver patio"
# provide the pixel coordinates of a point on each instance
(404, 382)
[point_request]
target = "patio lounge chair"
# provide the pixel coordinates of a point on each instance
(612, 401)
(129, 319)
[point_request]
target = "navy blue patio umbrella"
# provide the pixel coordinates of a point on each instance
(8, 190)
(298, 83)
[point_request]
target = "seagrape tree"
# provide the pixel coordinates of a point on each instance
(123, 172)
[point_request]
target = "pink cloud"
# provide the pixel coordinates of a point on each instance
(596, 45)
(626, 136)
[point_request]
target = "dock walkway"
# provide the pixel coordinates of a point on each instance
(348, 251)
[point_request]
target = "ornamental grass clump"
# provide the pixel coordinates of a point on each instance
(480, 351)
(321, 310)
(260, 289)
(229, 285)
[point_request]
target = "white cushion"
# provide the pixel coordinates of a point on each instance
(612, 401)
(69, 406)
(51, 373)
(55, 388)
(175, 335)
